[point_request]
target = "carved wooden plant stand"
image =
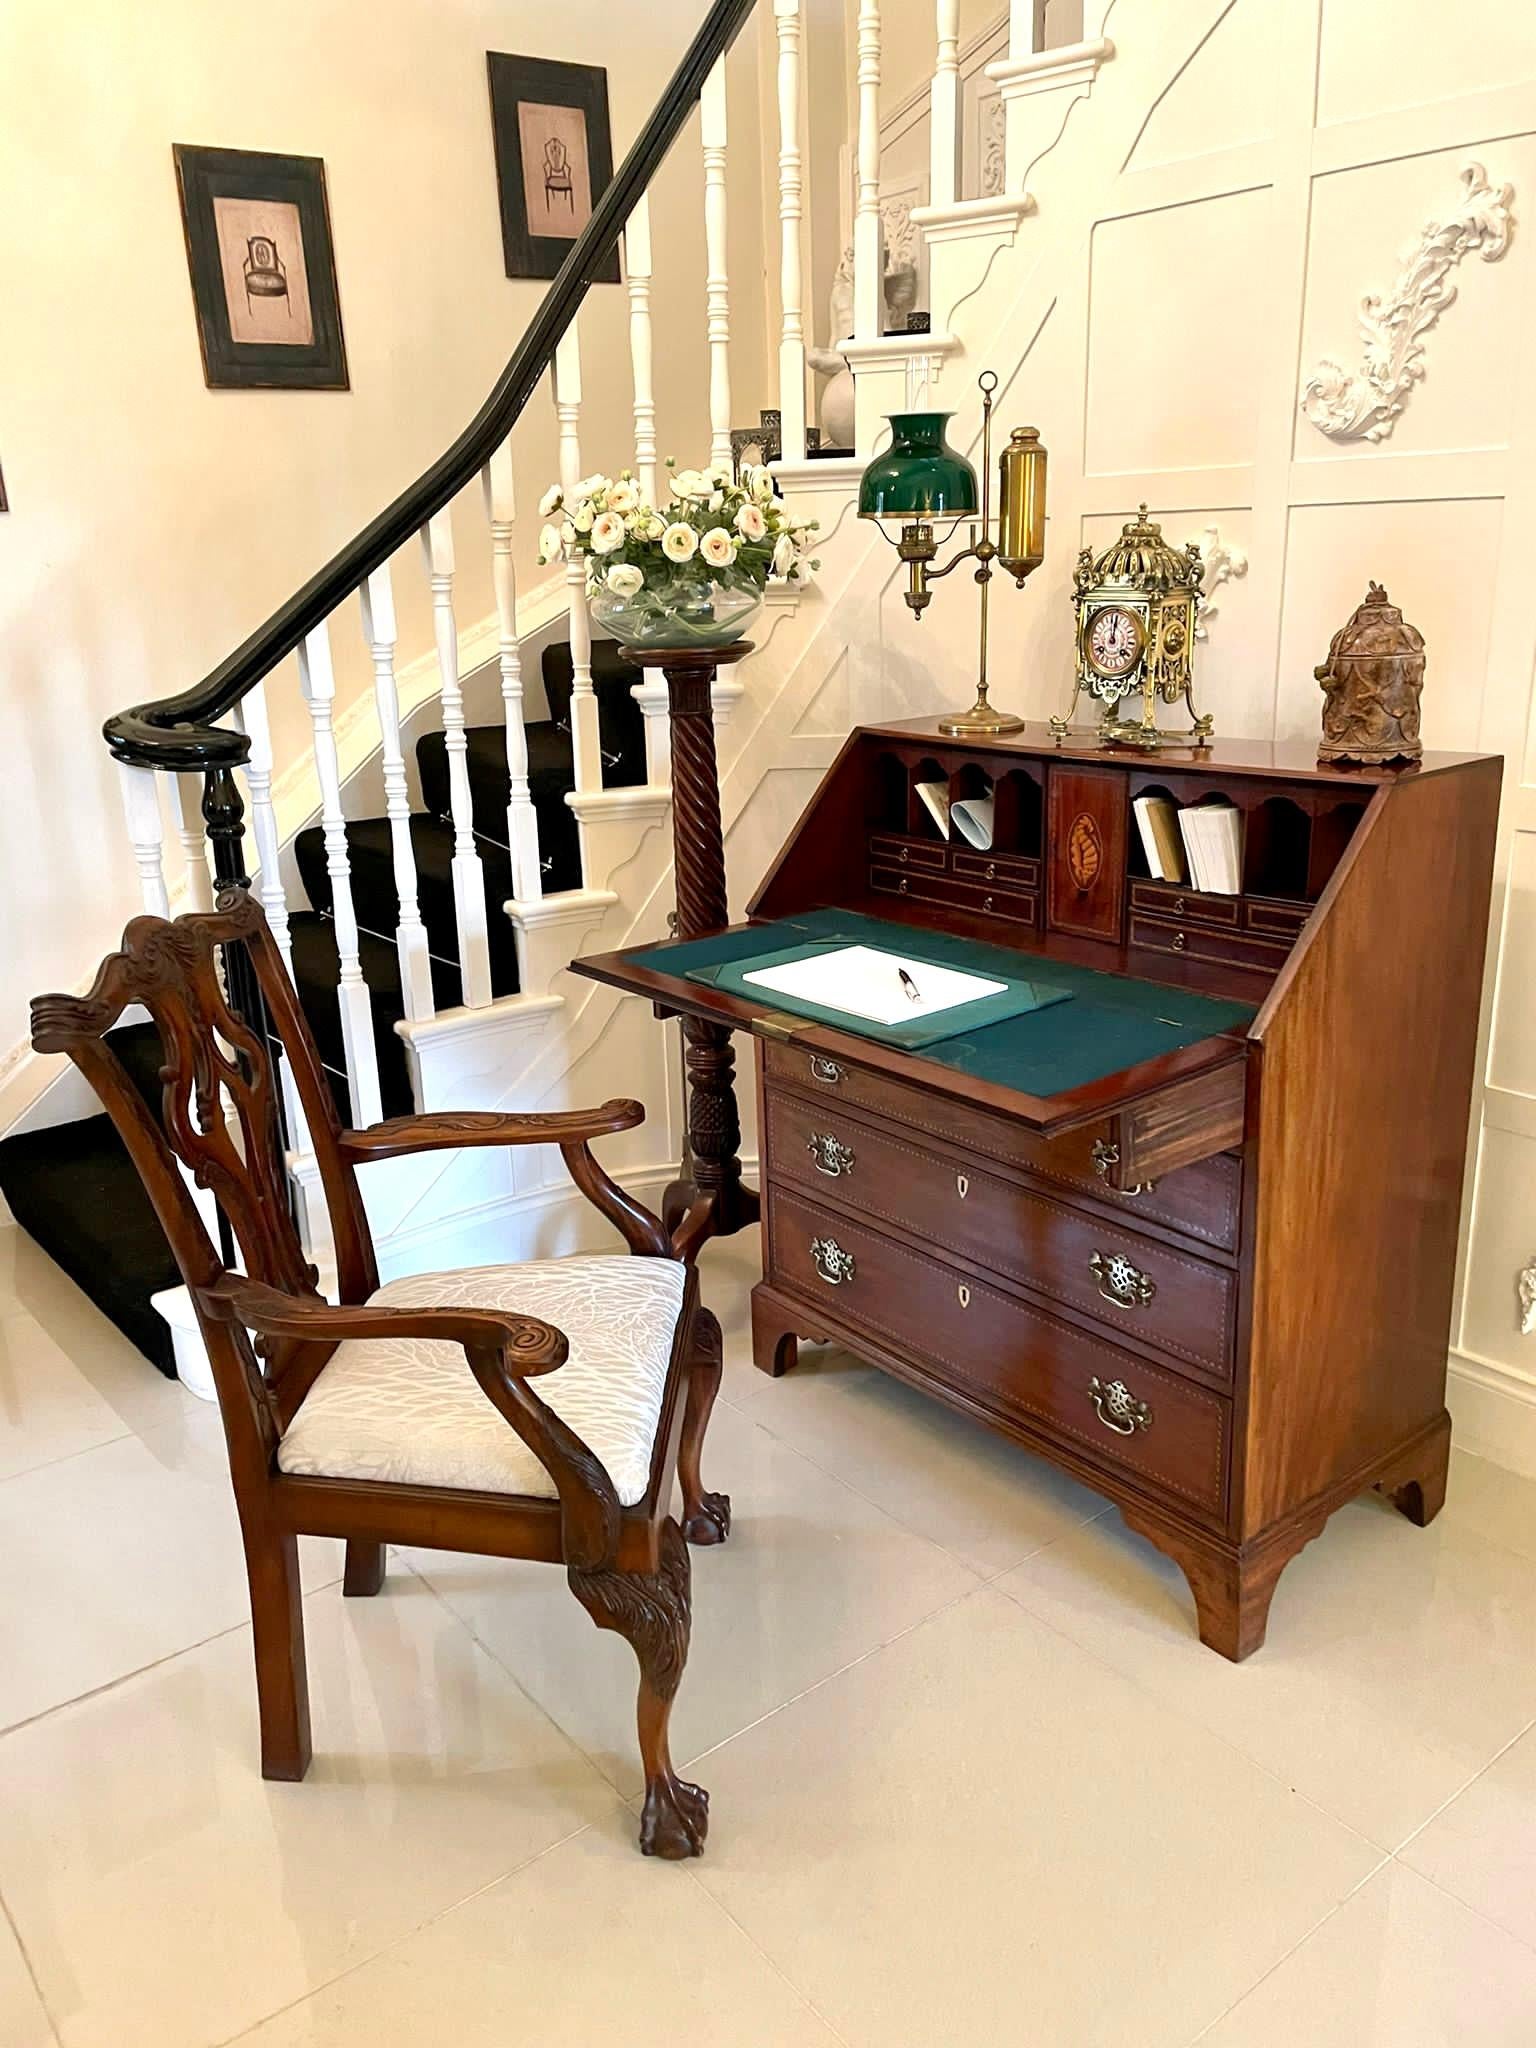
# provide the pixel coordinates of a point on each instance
(711, 1201)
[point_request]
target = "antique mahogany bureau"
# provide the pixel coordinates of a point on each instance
(1190, 1235)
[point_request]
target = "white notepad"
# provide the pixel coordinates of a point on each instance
(867, 983)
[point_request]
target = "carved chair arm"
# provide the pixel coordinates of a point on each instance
(448, 1128)
(504, 1351)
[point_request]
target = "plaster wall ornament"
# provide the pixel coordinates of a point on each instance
(1526, 1286)
(1223, 562)
(1364, 404)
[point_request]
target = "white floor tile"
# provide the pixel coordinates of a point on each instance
(1399, 1660)
(68, 1379)
(1493, 1501)
(1482, 1846)
(982, 1835)
(813, 1576)
(169, 1898)
(119, 1556)
(23, 2022)
(1400, 1965)
(590, 1944)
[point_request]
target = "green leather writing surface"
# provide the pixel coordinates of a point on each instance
(1114, 1021)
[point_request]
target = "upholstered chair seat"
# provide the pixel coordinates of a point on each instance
(409, 1411)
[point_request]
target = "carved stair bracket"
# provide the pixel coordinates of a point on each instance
(1364, 404)
(1223, 563)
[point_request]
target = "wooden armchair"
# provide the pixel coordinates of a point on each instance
(408, 1414)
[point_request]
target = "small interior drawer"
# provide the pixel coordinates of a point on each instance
(1165, 899)
(1010, 871)
(955, 895)
(915, 853)
(1232, 949)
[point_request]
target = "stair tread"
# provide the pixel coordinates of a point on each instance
(316, 975)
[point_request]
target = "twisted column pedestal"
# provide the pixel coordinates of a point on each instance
(710, 1199)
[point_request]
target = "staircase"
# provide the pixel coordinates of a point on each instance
(428, 933)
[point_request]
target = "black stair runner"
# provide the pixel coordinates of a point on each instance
(74, 1188)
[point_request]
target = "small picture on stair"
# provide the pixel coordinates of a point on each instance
(258, 234)
(554, 158)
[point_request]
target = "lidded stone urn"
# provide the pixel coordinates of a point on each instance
(1371, 682)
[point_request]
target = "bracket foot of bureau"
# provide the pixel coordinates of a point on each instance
(1415, 1481)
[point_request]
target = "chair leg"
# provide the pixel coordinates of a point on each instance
(364, 1573)
(652, 1611)
(277, 1624)
(706, 1516)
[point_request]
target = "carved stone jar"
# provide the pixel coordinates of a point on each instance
(1371, 682)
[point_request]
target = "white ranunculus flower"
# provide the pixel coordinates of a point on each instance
(551, 501)
(551, 544)
(584, 515)
(567, 534)
(625, 580)
(718, 548)
(762, 485)
(623, 498)
(783, 555)
(750, 523)
(592, 486)
(679, 543)
(608, 534)
(691, 483)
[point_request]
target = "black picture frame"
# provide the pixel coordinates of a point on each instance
(232, 360)
(538, 83)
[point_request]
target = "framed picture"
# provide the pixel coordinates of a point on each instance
(263, 273)
(554, 158)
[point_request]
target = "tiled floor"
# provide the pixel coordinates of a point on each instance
(973, 1779)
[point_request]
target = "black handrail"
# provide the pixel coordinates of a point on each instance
(177, 733)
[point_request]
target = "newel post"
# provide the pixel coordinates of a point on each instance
(711, 1200)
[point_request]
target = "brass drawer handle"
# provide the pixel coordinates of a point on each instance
(902, 856)
(991, 874)
(903, 886)
(1178, 942)
(1105, 1155)
(1117, 1407)
(986, 903)
(829, 1155)
(830, 1260)
(1119, 1281)
(1178, 906)
(825, 1070)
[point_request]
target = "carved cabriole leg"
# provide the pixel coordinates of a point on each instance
(277, 1625)
(1415, 1481)
(706, 1516)
(1232, 1588)
(652, 1611)
(364, 1570)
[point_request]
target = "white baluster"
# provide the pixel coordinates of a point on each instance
(250, 716)
(522, 820)
(868, 255)
(468, 876)
(637, 273)
(379, 630)
(585, 741)
(146, 832)
(186, 794)
(717, 286)
(318, 682)
(787, 21)
(945, 131)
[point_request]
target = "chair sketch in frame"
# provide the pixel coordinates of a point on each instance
(266, 276)
(557, 172)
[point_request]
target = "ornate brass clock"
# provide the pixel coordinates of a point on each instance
(1136, 605)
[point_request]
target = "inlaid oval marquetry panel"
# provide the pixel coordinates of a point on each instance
(1085, 851)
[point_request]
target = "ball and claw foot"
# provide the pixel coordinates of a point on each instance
(710, 1521)
(675, 1821)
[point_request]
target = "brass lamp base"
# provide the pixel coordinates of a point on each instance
(982, 719)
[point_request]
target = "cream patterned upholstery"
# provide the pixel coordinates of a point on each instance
(408, 1409)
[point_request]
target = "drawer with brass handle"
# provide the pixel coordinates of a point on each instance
(1201, 1200)
(1179, 1302)
(1008, 1356)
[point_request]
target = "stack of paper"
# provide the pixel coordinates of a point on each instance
(1213, 840)
(885, 988)
(935, 796)
(1157, 820)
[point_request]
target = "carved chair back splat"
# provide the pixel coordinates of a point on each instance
(270, 1333)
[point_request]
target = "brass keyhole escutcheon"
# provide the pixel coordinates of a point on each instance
(963, 1294)
(962, 1186)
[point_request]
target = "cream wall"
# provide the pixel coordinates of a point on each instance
(155, 523)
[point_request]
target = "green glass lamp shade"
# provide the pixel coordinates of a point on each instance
(919, 476)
